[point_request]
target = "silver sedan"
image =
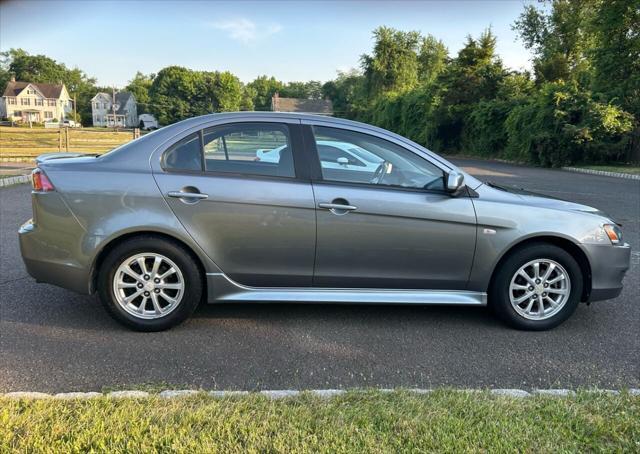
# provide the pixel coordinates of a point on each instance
(187, 213)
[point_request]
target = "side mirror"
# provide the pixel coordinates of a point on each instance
(455, 182)
(343, 161)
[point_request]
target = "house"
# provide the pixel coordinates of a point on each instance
(124, 104)
(35, 102)
(313, 106)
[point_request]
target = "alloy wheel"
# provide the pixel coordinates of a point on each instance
(148, 285)
(539, 289)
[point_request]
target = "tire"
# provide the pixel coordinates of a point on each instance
(171, 296)
(501, 292)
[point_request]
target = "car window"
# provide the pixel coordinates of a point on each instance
(249, 148)
(185, 155)
(382, 162)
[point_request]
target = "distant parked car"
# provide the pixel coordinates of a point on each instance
(333, 155)
(69, 124)
(188, 213)
(147, 122)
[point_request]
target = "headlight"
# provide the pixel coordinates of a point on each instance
(613, 232)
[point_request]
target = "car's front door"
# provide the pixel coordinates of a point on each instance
(393, 226)
(254, 219)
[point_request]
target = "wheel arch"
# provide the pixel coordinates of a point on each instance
(567, 245)
(115, 241)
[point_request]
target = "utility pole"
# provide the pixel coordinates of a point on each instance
(113, 106)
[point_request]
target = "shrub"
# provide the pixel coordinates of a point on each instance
(562, 125)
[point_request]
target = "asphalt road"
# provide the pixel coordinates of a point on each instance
(53, 340)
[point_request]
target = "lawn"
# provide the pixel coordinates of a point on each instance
(25, 143)
(363, 421)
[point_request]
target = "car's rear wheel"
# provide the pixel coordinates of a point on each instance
(537, 287)
(149, 284)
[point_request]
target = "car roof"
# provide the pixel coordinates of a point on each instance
(248, 115)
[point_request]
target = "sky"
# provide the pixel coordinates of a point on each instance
(291, 40)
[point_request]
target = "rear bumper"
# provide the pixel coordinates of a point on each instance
(608, 267)
(50, 262)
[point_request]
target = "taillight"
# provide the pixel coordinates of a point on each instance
(40, 181)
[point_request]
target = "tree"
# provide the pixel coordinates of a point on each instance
(393, 65)
(475, 75)
(303, 90)
(248, 95)
(225, 91)
(264, 88)
(559, 39)
(347, 93)
(177, 93)
(594, 44)
(432, 59)
(139, 86)
(173, 94)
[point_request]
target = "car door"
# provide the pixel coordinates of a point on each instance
(393, 227)
(254, 219)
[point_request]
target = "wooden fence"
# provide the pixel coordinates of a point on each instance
(22, 143)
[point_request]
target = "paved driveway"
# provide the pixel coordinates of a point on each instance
(53, 340)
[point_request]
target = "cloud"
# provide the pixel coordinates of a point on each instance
(245, 30)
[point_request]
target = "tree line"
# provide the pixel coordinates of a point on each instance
(580, 102)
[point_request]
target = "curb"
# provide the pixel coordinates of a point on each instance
(604, 173)
(287, 393)
(14, 180)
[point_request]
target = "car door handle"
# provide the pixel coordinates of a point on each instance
(187, 195)
(337, 207)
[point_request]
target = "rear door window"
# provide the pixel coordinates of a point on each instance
(249, 148)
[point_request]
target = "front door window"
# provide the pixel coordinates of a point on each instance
(352, 157)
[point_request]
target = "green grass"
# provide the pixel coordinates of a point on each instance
(442, 421)
(622, 169)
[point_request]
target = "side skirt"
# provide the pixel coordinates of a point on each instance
(221, 289)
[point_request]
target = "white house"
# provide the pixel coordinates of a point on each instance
(35, 102)
(126, 110)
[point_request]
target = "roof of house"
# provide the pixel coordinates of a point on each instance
(122, 97)
(47, 90)
(317, 106)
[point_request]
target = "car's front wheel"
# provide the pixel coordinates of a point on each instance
(537, 287)
(149, 283)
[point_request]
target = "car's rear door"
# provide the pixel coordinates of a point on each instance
(254, 219)
(386, 229)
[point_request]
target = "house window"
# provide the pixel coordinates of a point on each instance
(48, 115)
(25, 102)
(17, 113)
(51, 102)
(39, 102)
(11, 100)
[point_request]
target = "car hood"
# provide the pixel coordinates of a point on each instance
(522, 196)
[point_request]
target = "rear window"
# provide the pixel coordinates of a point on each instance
(185, 155)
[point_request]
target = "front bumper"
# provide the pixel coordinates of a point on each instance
(608, 267)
